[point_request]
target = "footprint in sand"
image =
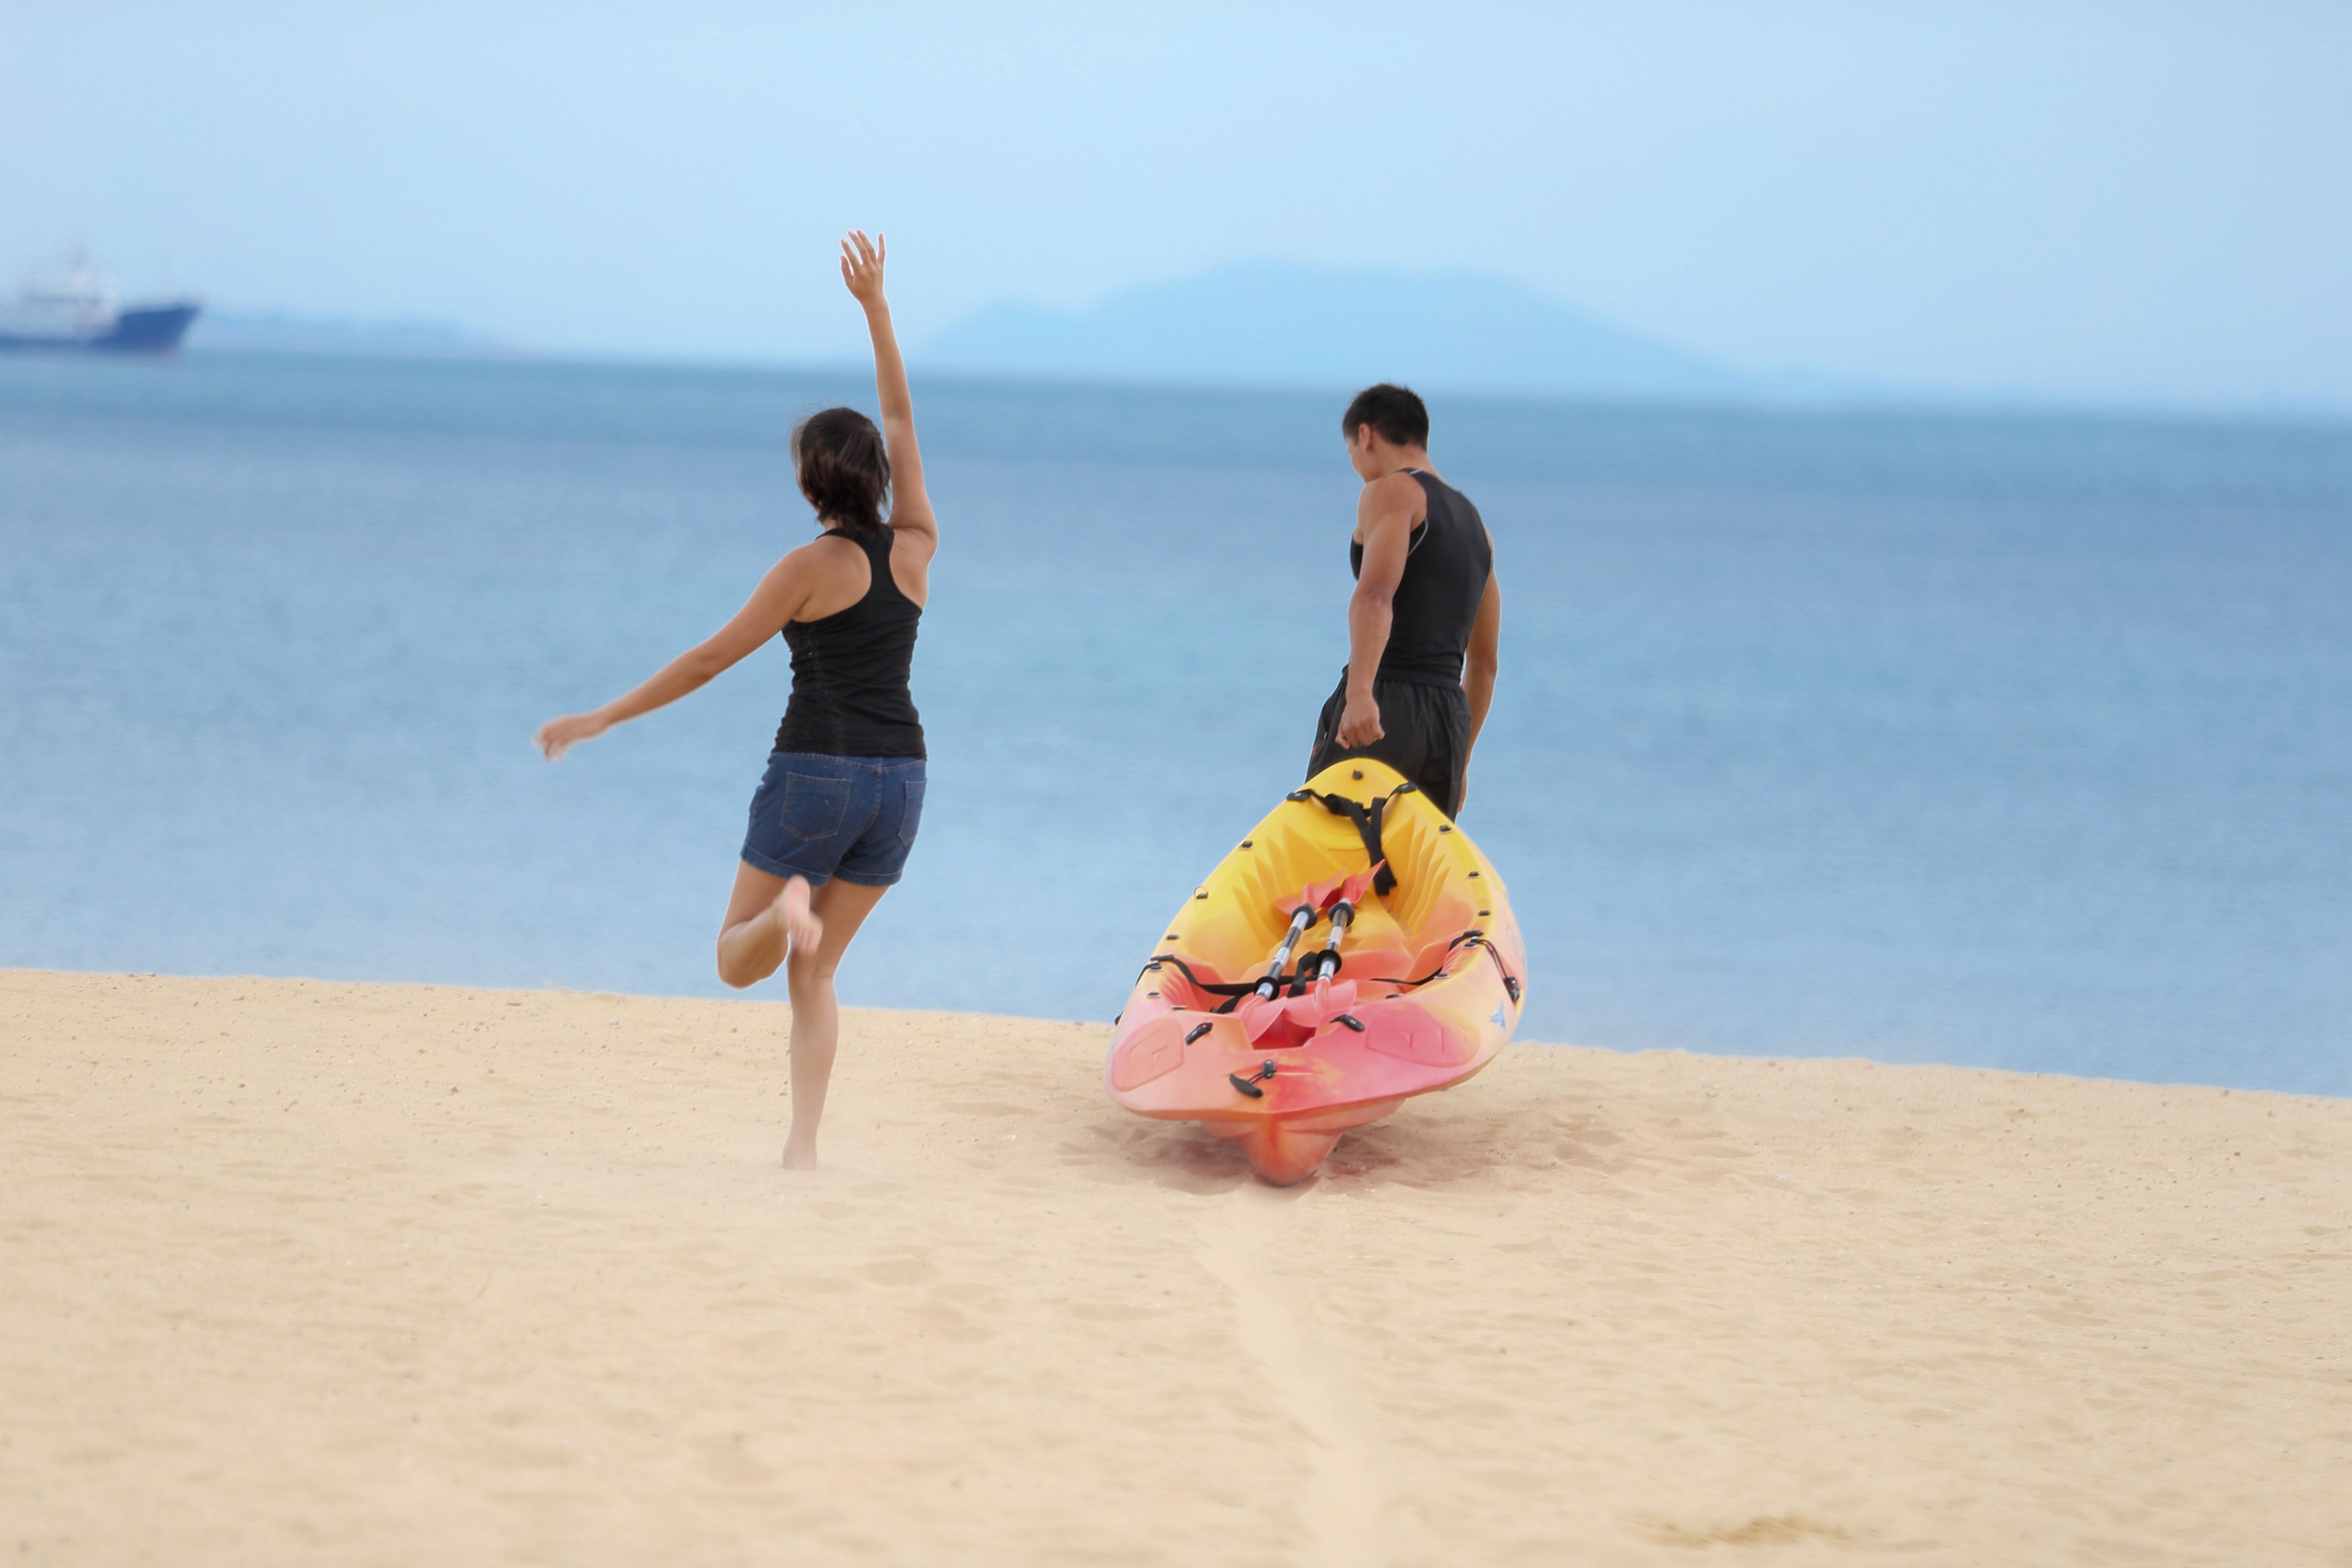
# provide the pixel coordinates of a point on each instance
(1343, 1501)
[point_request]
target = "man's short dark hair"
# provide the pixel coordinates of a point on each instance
(1395, 415)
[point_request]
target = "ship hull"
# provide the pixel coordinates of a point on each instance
(148, 329)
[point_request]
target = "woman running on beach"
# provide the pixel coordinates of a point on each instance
(833, 818)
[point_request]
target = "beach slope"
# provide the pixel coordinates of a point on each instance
(362, 1274)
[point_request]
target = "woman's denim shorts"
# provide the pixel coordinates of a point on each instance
(821, 817)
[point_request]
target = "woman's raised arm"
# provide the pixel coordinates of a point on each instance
(911, 503)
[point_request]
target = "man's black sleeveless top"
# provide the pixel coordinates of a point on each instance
(850, 670)
(1436, 604)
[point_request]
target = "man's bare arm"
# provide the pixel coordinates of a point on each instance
(1384, 522)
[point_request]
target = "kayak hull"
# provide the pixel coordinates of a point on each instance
(1428, 990)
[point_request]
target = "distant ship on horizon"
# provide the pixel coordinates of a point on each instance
(78, 313)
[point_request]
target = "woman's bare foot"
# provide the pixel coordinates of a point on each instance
(803, 929)
(799, 1159)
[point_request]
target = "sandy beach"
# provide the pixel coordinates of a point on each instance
(362, 1274)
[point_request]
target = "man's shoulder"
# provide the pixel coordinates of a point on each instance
(1398, 491)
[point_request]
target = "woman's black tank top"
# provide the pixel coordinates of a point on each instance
(1436, 603)
(850, 668)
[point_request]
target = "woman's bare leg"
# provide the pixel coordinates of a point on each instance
(764, 917)
(768, 917)
(841, 907)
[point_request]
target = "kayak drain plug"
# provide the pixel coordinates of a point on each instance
(1249, 1085)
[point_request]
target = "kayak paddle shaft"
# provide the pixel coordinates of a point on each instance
(1343, 915)
(1301, 919)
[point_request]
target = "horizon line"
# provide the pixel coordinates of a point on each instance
(1887, 401)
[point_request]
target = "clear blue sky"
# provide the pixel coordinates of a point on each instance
(2141, 201)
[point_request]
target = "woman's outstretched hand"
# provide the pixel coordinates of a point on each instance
(861, 265)
(557, 736)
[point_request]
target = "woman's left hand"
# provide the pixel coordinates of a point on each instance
(557, 736)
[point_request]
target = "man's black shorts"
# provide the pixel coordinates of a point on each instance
(1424, 735)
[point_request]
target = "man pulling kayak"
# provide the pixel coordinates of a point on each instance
(1424, 624)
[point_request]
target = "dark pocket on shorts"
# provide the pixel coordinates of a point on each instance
(814, 807)
(912, 817)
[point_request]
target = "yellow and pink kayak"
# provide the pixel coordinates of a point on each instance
(1353, 950)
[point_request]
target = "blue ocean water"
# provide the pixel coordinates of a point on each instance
(2017, 741)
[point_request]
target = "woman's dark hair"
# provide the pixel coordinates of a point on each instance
(845, 468)
(1395, 415)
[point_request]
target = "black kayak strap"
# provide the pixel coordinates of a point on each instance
(1367, 819)
(1213, 987)
(1296, 982)
(1232, 991)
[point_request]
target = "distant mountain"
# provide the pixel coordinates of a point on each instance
(1330, 326)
